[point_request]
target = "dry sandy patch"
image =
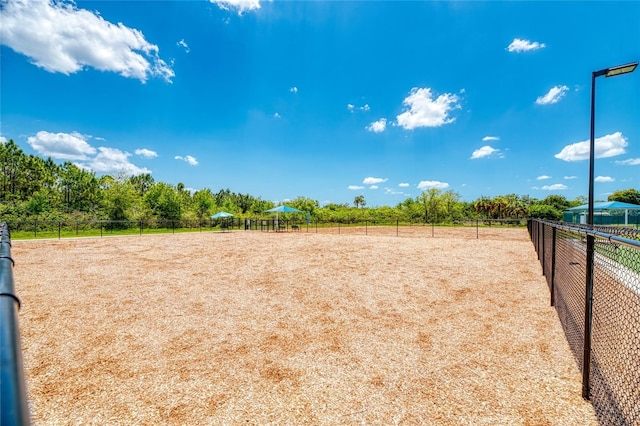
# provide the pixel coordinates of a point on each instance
(294, 328)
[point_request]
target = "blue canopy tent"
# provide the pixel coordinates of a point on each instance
(607, 213)
(222, 215)
(282, 209)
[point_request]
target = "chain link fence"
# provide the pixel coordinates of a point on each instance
(469, 228)
(596, 293)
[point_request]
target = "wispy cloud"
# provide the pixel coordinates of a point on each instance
(571, 177)
(373, 180)
(276, 115)
(543, 177)
(629, 162)
(604, 179)
(553, 95)
(490, 138)
(143, 152)
(485, 151)
(59, 37)
(606, 146)
(403, 185)
(240, 6)
(352, 107)
(188, 159)
(184, 44)
(377, 126)
(355, 187)
(424, 111)
(555, 187)
(293, 89)
(520, 45)
(426, 184)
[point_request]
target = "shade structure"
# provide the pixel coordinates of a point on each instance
(282, 209)
(221, 214)
(602, 212)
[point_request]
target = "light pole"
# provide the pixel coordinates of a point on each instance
(586, 367)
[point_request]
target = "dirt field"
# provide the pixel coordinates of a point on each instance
(294, 328)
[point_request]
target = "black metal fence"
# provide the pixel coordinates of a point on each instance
(102, 228)
(596, 294)
(13, 395)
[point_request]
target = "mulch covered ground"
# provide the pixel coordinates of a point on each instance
(294, 328)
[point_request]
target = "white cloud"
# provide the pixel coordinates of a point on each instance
(378, 126)
(59, 37)
(276, 115)
(184, 44)
(543, 177)
(423, 111)
(403, 185)
(240, 5)
(373, 180)
(553, 95)
(604, 179)
(490, 138)
(426, 184)
(485, 151)
(519, 45)
(61, 146)
(571, 177)
(3, 139)
(352, 107)
(629, 162)
(606, 146)
(374, 187)
(554, 187)
(110, 160)
(188, 159)
(294, 89)
(355, 187)
(143, 152)
(392, 191)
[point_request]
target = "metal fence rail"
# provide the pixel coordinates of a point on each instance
(13, 396)
(599, 308)
(47, 229)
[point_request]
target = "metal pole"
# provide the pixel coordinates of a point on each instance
(588, 303)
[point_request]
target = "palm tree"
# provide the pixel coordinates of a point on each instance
(359, 201)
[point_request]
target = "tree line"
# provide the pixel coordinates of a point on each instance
(32, 187)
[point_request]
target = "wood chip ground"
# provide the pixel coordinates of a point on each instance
(433, 326)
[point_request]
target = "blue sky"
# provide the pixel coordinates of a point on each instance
(328, 100)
